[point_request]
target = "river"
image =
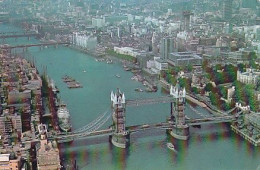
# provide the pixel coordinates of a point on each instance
(209, 147)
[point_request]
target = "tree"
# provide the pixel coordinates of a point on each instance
(218, 67)
(208, 87)
(195, 90)
(189, 68)
(241, 67)
(205, 64)
(222, 91)
(252, 58)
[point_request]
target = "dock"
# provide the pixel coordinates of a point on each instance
(245, 136)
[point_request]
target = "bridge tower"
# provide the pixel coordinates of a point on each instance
(120, 137)
(180, 129)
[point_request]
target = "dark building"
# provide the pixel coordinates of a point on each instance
(227, 10)
(166, 47)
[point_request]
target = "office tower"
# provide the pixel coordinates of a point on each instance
(166, 47)
(227, 10)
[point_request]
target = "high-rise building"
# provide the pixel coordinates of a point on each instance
(166, 47)
(227, 10)
(186, 22)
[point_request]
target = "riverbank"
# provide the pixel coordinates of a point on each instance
(85, 105)
(245, 136)
(166, 86)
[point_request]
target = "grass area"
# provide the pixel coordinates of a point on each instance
(121, 56)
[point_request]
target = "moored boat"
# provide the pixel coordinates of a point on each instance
(64, 118)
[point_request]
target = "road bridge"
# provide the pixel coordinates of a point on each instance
(34, 45)
(177, 125)
(5, 36)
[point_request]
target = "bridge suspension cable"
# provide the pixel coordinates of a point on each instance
(197, 112)
(85, 133)
(91, 124)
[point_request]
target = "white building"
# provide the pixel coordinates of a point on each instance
(251, 76)
(127, 51)
(84, 41)
(230, 93)
(98, 22)
(157, 65)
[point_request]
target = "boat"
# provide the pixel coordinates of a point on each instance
(127, 69)
(67, 79)
(171, 147)
(118, 76)
(84, 71)
(138, 90)
(64, 118)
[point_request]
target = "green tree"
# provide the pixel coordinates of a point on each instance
(208, 87)
(252, 58)
(195, 90)
(205, 64)
(241, 67)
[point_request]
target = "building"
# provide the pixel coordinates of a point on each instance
(227, 10)
(186, 16)
(198, 80)
(184, 59)
(251, 76)
(9, 162)
(166, 47)
(230, 93)
(157, 65)
(98, 22)
(47, 152)
(84, 41)
(127, 51)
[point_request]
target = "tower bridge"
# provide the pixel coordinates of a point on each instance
(177, 124)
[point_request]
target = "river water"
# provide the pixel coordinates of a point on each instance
(210, 147)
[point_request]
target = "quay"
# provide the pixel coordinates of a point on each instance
(245, 136)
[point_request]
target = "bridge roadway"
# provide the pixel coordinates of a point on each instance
(140, 102)
(35, 45)
(136, 128)
(73, 136)
(3, 36)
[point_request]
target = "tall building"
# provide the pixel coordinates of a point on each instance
(227, 10)
(186, 22)
(166, 47)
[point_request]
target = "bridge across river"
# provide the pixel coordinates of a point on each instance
(18, 35)
(177, 124)
(34, 45)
